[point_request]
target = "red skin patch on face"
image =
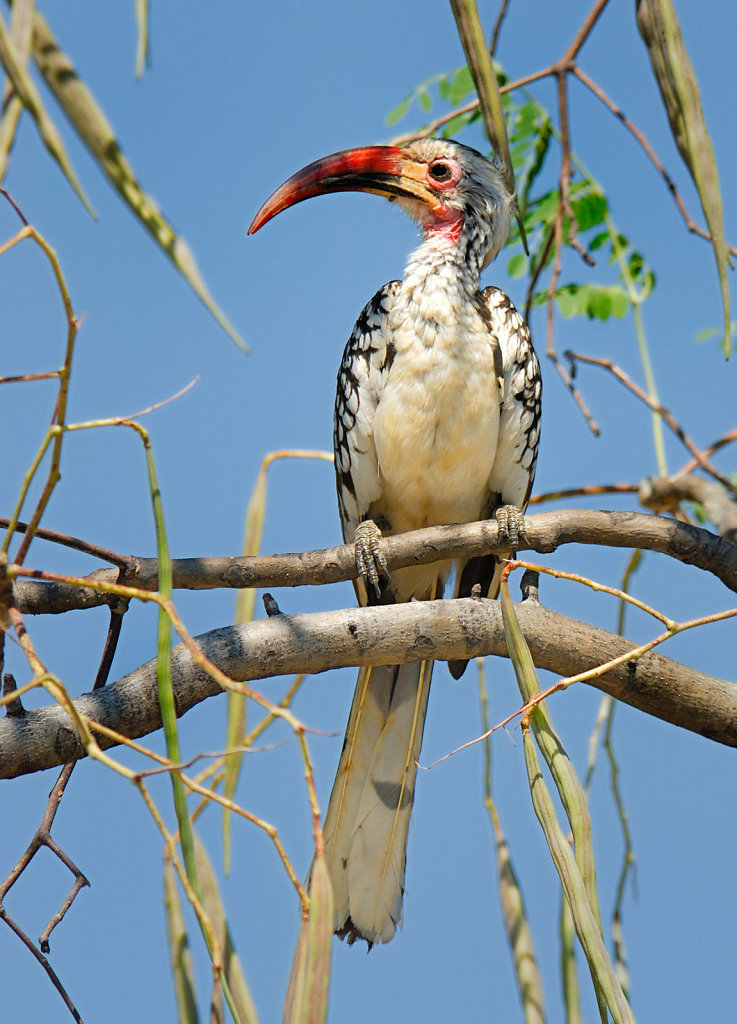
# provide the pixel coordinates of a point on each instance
(448, 228)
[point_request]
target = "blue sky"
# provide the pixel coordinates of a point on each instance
(232, 105)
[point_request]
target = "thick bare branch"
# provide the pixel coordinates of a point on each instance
(383, 635)
(665, 493)
(545, 532)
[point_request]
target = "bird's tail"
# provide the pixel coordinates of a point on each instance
(367, 819)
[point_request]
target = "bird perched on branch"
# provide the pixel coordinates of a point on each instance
(437, 421)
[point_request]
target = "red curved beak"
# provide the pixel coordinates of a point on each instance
(382, 170)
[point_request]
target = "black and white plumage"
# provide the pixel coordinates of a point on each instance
(437, 421)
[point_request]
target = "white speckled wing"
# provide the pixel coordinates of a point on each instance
(366, 360)
(519, 430)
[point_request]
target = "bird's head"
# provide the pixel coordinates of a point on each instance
(452, 191)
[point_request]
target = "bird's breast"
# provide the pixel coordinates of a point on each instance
(437, 423)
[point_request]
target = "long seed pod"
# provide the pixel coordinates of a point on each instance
(679, 87)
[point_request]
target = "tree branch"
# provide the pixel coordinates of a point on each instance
(659, 493)
(545, 533)
(312, 643)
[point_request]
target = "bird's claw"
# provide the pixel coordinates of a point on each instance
(370, 562)
(511, 523)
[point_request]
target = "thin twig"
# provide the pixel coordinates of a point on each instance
(4, 192)
(636, 297)
(498, 27)
(79, 883)
(117, 613)
(629, 657)
(585, 31)
(467, 108)
(654, 159)
(712, 449)
(658, 407)
(43, 832)
(42, 838)
(220, 678)
(550, 347)
(566, 168)
(587, 491)
(51, 973)
(537, 270)
(563, 64)
(54, 435)
(21, 379)
(84, 546)
(603, 588)
(165, 401)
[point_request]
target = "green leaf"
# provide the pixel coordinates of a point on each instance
(537, 252)
(542, 210)
(698, 512)
(517, 265)
(599, 304)
(636, 264)
(647, 283)
(569, 299)
(518, 152)
(594, 301)
(458, 123)
(589, 210)
(540, 151)
(539, 299)
(706, 334)
(709, 332)
(620, 302)
(598, 240)
(620, 244)
(425, 100)
(461, 85)
(399, 111)
(528, 118)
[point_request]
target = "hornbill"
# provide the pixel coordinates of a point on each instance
(437, 421)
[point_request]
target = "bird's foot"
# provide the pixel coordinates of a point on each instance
(511, 523)
(370, 562)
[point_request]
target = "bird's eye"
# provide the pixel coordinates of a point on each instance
(440, 172)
